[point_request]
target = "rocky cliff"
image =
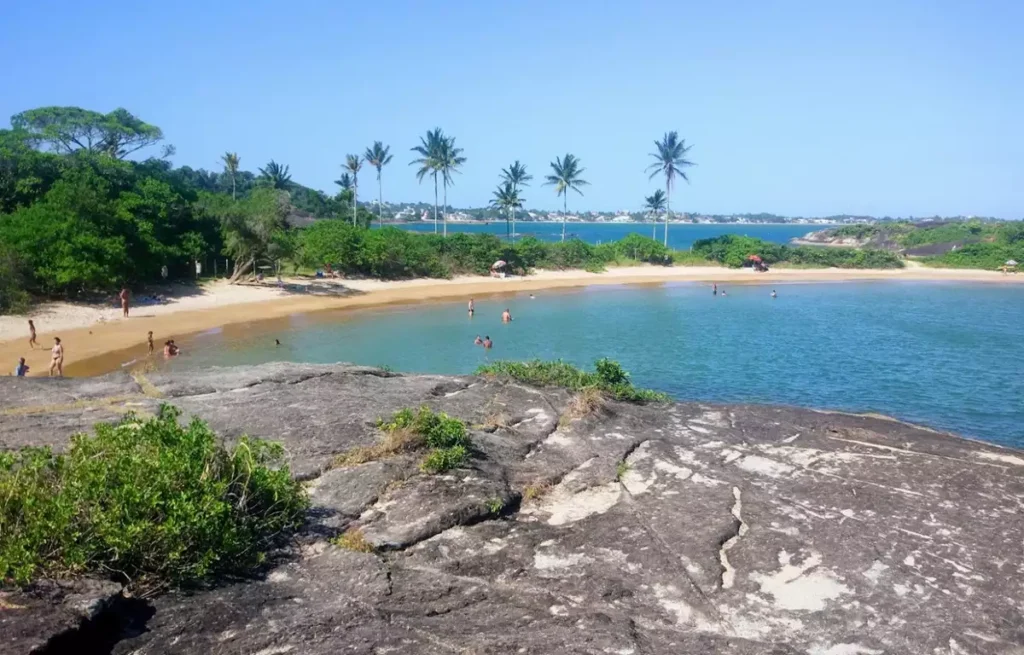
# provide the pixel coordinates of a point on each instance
(732, 529)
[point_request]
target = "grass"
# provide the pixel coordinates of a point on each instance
(621, 469)
(444, 436)
(495, 505)
(149, 503)
(586, 402)
(353, 540)
(609, 377)
(536, 490)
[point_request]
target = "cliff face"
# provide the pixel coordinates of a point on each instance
(730, 529)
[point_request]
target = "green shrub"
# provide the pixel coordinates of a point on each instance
(440, 460)
(13, 297)
(145, 501)
(734, 251)
(609, 378)
(444, 435)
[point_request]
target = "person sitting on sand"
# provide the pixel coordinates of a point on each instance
(57, 358)
(478, 341)
(32, 343)
(506, 316)
(487, 343)
(124, 300)
(21, 369)
(149, 340)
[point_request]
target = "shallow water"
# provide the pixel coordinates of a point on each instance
(680, 237)
(944, 355)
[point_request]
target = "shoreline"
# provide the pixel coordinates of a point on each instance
(92, 334)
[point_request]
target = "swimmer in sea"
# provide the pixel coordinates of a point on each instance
(774, 295)
(57, 358)
(488, 343)
(277, 342)
(472, 308)
(506, 316)
(478, 341)
(714, 289)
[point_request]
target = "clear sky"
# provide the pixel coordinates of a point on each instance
(898, 107)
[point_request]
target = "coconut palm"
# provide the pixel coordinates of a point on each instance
(352, 165)
(506, 197)
(231, 161)
(565, 175)
(429, 161)
(655, 204)
(378, 156)
(276, 176)
(670, 160)
(344, 181)
(516, 174)
(451, 159)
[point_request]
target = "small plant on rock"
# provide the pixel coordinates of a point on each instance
(621, 469)
(353, 540)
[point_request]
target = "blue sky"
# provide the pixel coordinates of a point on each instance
(800, 108)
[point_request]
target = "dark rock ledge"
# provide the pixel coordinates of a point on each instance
(734, 529)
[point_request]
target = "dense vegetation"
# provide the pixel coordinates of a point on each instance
(443, 437)
(735, 251)
(147, 502)
(608, 377)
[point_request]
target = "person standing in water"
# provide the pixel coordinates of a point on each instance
(32, 343)
(774, 295)
(714, 289)
(478, 341)
(149, 340)
(472, 308)
(57, 358)
(124, 300)
(506, 316)
(488, 343)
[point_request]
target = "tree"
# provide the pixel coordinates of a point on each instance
(565, 175)
(429, 160)
(655, 204)
(231, 161)
(352, 165)
(378, 156)
(670, 161)
(67, 129)
(506, 197)
(254, 228)
(517, 175)
(451, 159)
(276, 176)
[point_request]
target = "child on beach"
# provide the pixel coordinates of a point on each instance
(32, 343)
(21, 369)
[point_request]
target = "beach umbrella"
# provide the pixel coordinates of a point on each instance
(499, 264)
(1011, 262)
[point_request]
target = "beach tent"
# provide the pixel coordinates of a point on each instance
(1011, 262)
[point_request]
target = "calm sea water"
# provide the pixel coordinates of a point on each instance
(945, 355)
(680, 237)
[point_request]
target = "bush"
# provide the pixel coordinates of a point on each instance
(734, 251)
(609, 378)
(148, 502)
(445, 436)
(13, 297)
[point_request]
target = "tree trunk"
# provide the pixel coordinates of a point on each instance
(380, 201)
(233, 186)
(241, 270)
(654, 228)
(513, 225)
(355, 193)
(444, 208)
(565, 212)
(668, 209)
(435, 203)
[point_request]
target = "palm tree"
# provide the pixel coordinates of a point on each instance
(506, 197)
(517, 175)
(670, 160)
(344, 181)
(429, 160)
(450, 160)
(655, 204)
(276, 176)
(352, 165)
(231, 161)
(565, 175)
(378, 156)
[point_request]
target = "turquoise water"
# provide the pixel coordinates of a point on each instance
(680, 237)
(945, 355)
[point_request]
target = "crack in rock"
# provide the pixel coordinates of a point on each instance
(739, 529)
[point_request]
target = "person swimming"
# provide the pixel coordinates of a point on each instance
(774, 295)
(506, 316)
(277, 342)
(478, 341)
(488, 343)
(57, 358)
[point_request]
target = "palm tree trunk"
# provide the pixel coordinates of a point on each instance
(380, 201)
(654, 227)
(355, 194)
(513, 225)
(668, 209)
(444, 208)
(232, 186)
(435, 203)
(565, 211)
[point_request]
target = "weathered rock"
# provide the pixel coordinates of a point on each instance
(638, 529)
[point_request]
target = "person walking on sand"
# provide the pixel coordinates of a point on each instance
(472, 308)
(57, 358)
(506, 316)
(32, 343)
(487, 343)
(149, 340)
(124, 300)
(21, 369)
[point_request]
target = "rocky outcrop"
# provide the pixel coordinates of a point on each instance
(635, 530)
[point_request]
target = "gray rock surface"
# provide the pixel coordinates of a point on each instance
(729, 529)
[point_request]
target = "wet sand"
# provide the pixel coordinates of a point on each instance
(106, 341)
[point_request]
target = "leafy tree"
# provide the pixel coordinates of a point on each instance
(253, 228)
(68, 129)
(379, 156)
(430, 158)
(451, 159)
(352, 165)
(655, 204)
(344, 181)
(670, 161)
(565, 175)
(231, 161)
(517, 175)
(25, 173)
(506, 198)
(276, 176)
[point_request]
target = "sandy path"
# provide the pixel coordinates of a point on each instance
(91, 331)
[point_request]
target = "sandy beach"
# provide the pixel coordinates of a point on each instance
(90, 331)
